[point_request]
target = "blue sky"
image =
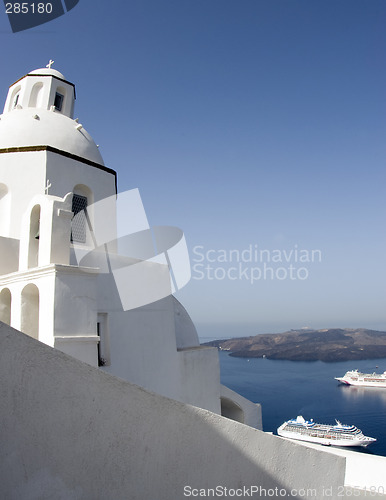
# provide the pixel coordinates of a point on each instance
(243, 122)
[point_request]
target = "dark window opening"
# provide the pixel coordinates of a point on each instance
(101, 360)
(58, 103)
(16, 100)
(79, 208)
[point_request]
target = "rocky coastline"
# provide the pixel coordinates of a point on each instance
(329, 345)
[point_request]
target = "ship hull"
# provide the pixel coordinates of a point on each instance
(338, 435)
(323, 441)
(361, 383)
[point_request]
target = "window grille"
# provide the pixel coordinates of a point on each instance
(79, 208)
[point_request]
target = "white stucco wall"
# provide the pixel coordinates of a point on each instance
(143, 347)
(53, 227)
(186, 333)
(71, 431)
(67, 307)
(9, 252)
(25, 176)
(199, 377)
(251, 411)
(75, 301)
(143, 350)
(44, 279)
(64, 173)
(365, 472)
(75, 313)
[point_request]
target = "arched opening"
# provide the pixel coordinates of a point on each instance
(30, 311)
(5, 201)
(82, 226)
(35, 100)
(231, 410)
(15, 98)
(34, 237)
(5, 306)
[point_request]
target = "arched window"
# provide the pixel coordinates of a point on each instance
(5, 206)
(82, 222)
(15, 97)
(30, 311)
(35, 100)
(34, 236)
(5, 306)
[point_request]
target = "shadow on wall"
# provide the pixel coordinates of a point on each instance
(231, 410)
(69, 430)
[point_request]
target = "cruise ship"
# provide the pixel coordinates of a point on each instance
(328, 435)
(354, 377)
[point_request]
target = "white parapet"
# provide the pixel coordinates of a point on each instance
(72, 431)
(363, 471)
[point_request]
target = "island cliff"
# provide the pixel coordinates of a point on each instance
(337, 344)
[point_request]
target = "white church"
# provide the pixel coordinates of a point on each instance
(52, 178)
(105, 391)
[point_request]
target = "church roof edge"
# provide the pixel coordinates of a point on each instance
(51, 149)
(42, 75)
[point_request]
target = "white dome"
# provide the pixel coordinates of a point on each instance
(47, 71)
(20, 128)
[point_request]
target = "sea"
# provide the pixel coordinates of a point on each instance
(286, 389)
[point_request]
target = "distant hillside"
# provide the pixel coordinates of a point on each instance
(337, 344)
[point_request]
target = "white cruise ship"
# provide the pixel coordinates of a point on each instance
(328, 435)
(354, 377)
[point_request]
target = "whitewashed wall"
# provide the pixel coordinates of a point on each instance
(71, 431)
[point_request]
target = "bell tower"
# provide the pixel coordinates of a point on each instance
(44, 88)
(50, 170)
(45, 151)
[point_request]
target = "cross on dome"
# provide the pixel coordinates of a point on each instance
(50, 64)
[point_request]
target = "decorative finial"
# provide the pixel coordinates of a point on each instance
(50, 64)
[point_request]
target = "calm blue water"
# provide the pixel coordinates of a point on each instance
(286, 389)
